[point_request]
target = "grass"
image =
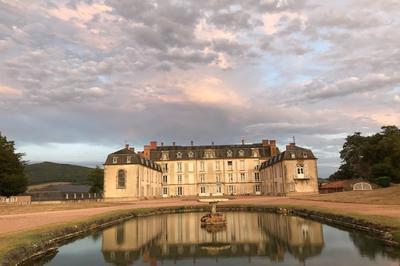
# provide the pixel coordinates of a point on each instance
(6, 209)
(383, 196)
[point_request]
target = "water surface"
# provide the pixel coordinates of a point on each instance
(250, 238)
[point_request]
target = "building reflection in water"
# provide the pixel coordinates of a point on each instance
(180, 236)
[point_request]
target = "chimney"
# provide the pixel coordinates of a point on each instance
(242, 141)
(265, 142)
(153, 145)
(212, 143)
(162, 144)
(191, 143)
(127, 146)
(173, 143)
(290, 146)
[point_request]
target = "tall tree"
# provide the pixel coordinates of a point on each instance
(12, 177)
(96, 180)
(372, 156)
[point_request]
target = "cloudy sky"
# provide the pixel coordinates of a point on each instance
(78, 79)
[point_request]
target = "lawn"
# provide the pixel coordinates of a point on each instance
(384, 196)
(6, 209)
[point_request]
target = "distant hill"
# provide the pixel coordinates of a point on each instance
(45, 172)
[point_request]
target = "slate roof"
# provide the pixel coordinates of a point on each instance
(217, 151)
(292, 152)
(123, 155)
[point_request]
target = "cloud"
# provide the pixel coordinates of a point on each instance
(5, 90)
(318, 89)
(99, 72)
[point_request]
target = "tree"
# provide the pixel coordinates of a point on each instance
(12, 176)
(371, 156)
(96, 180)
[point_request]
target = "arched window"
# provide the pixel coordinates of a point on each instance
(121, 179)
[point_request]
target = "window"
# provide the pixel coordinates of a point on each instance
(165, 191)
(179, 155)
(230, 177)
(164, 167)
(217, 166)
(257, 188)
(202, 178)
(304, 155)
(218, 178)
(164, 155)
(179, 179)
(190, 154)
(179, 167)
(229, 153)
(121, 179)
(202, 189)
(257, 177)
(115, 160)
(292, 155)
(165, 179)
(180, 191)
(219, 189)
(241, 153)
(255, 153)
(202, 166)
(128, 159)
(300, 170)
(209, 154)
(230, 189)
(242, 165)
(230, 165)
(242, 177)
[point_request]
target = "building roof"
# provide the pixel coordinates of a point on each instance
(334, 184)
(175, 152)
(63, 188)
(292, 152)
(342, 183)
(128, 155)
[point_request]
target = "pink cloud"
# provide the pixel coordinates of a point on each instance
(9, 91)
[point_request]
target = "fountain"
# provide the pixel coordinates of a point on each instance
(213, 221)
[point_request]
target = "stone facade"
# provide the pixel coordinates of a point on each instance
(290, 172)
(130, 176)
(211, 170)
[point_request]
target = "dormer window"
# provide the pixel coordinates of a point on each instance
(190, 154)
(179, 155)
(292, 155)
(128, 159)
(241, 153)
(229, 153)
(304, 155)
(115, 160)
(255, 153)
(164, 155)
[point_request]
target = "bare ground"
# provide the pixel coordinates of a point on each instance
(11, 223)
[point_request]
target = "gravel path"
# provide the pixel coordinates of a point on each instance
(27, 221)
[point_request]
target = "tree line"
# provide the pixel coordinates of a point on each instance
(375, 157)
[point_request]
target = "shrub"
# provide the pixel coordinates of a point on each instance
(383, 181)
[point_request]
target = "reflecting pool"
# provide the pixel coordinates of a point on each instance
(249, 238)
